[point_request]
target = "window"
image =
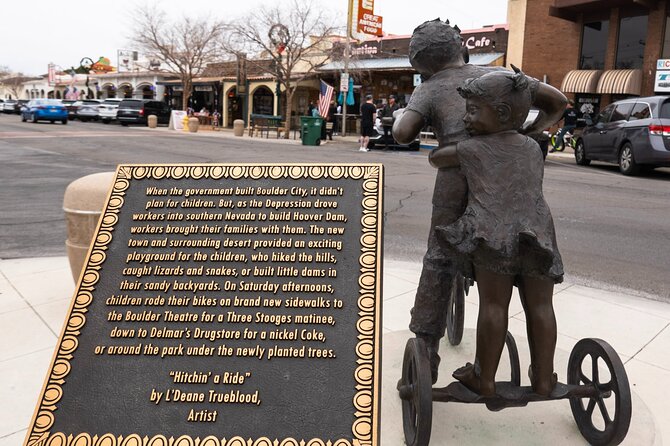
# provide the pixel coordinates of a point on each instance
(594, 45)
(263, 101)
(640, 111)
(665, 110)
(632, 39)
(666, 40)
(604, 116)
(622, 111)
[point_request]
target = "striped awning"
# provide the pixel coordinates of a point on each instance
(620, 82)
(581, 81)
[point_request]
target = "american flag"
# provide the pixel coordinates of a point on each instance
(325, 97)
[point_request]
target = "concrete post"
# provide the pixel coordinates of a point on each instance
(83, 202)
(193, 125)
(152, 121)
(238, 127)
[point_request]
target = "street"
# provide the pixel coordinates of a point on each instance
(613, 231)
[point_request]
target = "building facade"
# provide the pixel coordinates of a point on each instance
(595, 51)
(381, 67)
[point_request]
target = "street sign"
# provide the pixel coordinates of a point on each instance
(662, 76)
(344, 82)
(417, 80)
(368, 22)
(362, 20)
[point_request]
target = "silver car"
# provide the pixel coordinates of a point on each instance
(108, 109)
(87, 109)
(634, 133)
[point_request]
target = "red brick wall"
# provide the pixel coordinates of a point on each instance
(551, 45)
(654, 47)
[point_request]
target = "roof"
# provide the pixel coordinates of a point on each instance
(254, 67)
(194, 81)
(400, 63)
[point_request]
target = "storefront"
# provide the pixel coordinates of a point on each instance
(381, 66)
(607, 50)
(137, 84)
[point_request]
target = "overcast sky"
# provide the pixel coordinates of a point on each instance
(38, 32)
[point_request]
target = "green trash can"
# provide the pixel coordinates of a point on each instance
(311, 130)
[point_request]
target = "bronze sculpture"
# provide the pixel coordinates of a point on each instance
(491, 222)
(436, 52)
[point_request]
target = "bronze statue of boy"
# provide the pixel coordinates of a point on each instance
(436, 52)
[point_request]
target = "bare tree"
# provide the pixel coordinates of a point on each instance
(14, 84)
(185, 46)
(295, 34)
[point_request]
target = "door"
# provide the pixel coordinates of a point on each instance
(612, 133)
(593, 134)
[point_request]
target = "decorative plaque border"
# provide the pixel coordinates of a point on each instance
(365, 428)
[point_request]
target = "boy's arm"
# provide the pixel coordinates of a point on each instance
(551, 104)
(446, 156)
(407, 125)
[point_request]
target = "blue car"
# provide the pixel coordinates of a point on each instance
(44, 110)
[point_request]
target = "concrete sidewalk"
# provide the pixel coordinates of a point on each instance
(35, 295)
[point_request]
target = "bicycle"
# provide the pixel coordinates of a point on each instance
(568, 139)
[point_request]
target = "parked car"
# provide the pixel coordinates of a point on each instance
(8, 106)
(135, 111)
(44, 110)
(20, 104)
(87, 110)
(108, 109)
(71, 108)
(634, 133)
(2, 104)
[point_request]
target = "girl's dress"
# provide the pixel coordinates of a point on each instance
(507, 226)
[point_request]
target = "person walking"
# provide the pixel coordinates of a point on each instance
(368, 115)
(387, 119)
(569, 123)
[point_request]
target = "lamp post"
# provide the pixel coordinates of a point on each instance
(279, 37)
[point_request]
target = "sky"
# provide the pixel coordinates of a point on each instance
(63, 33)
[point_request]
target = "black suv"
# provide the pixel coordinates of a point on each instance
(136, 111)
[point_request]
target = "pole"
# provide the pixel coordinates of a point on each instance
(278, 90)
(347, 53)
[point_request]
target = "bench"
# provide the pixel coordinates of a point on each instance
(265, 124)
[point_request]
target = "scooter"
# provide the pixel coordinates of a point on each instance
(384, 138)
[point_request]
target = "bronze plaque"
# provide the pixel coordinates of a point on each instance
(225, 305)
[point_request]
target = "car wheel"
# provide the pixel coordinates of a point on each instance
(105, 121)
(125, 124)
(627, 164)
(580, 154)
(23, 118)
(64, 121)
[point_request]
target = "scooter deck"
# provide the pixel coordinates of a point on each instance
(509, 394)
